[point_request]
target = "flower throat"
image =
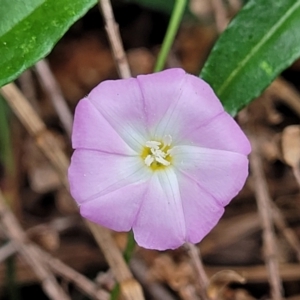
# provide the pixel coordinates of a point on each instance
(157, 155)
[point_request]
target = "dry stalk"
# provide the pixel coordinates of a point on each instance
(287, 232)
(52, 88)
(114, 37)
(283, 90)
(16, 234)
(83, 284)
(235, 5)
(7, 250)
(259, 274)
(195, 256)
(155, 289)
(48, 145)
(220, 13)
(265, 212)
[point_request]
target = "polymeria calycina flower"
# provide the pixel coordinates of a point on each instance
(157, 154)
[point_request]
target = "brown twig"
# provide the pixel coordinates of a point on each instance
(264, 208)
(15, 233)
(220, 14)
(130, 288)
(283, 90)
(154, 289)
(83, 284)
(259, 274)
(49, 146)
(195, 256)
(286, 231)
(113, 33)
(235, 5)
(50, 85)
(7, 250)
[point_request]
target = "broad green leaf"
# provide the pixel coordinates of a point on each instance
(29, 29)
(261, 41)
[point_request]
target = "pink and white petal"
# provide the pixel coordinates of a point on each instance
(220, 132)
(187, 102)
(93, 174)
(118, 209)
(121, 104)
(160, 91)
(220, 173)
(201, 211)
(160, 222)
(92, 131)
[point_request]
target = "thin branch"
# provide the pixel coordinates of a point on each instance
(130, 288)
(235, 5)
(85, 285)
(283, 90)
(50, 85)
(14, 232)
(265, 209)
(114, 37)
(290, 236)
(155, 289)
(7, 250)
(195, 256)
(220, 15)
(82, 283)
(37, 129)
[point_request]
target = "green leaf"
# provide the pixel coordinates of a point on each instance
(29, 30)
(261, 41)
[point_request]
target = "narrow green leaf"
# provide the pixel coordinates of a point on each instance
(29, 30)
(261, 41)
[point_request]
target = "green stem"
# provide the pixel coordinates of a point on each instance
(127, 256)
(175, 21)
(129, 247)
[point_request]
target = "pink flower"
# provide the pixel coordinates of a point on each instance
(157, 154)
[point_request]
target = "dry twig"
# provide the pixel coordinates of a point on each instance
(16, 234)
(59, 268)
(7, 250)
(155, 289)
(50, 85)
(113, 33)
(195, 256)
(265, 209)
(220, 14)
(283, 90)
(287, 232)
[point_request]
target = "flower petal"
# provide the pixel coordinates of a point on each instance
(220, 132)
(92, 131)
(220, 173)
(118, 209)
(175, 100)
(161, 92)
(160, 222)
(93, 174)
(121, 103)
(201, 210)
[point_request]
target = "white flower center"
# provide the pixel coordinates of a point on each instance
(160, 151)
